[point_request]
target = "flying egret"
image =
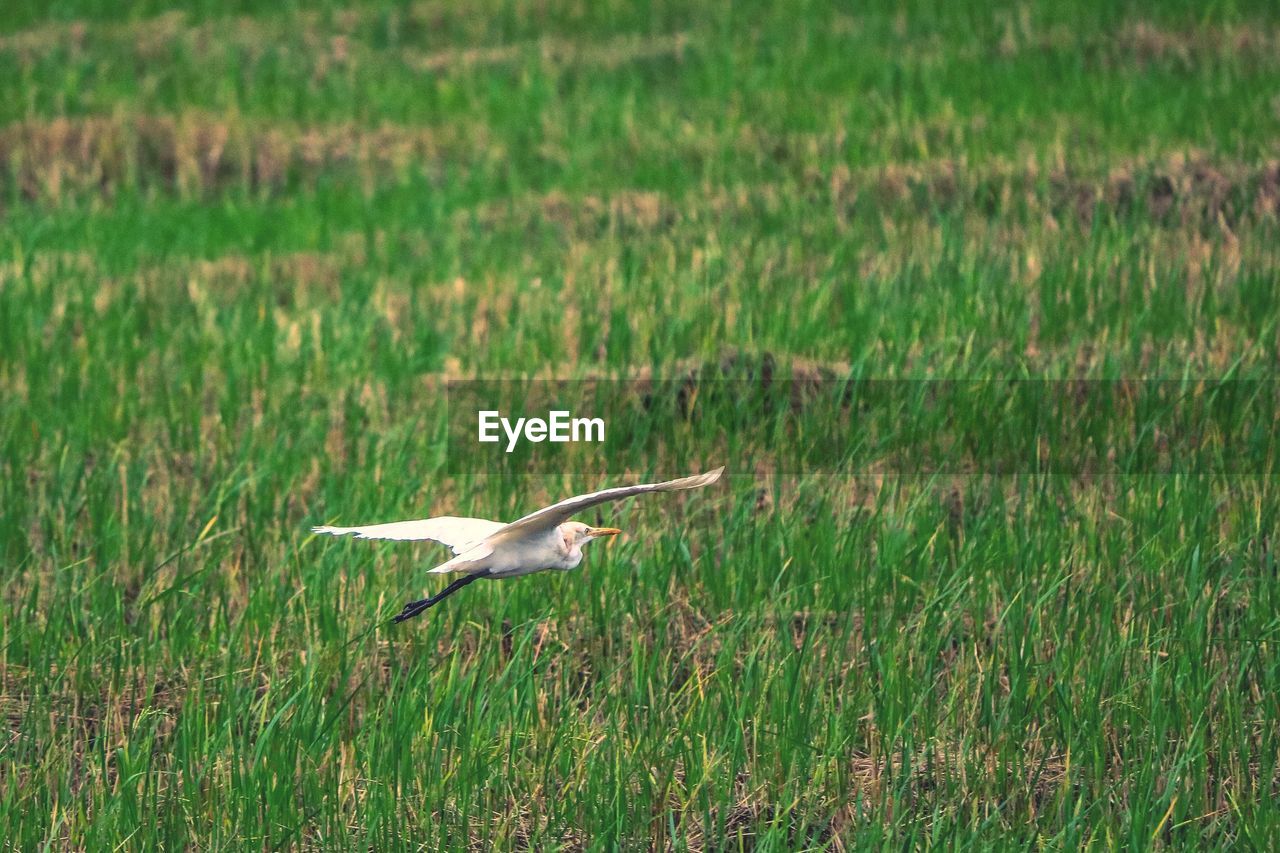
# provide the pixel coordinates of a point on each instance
(539, 541)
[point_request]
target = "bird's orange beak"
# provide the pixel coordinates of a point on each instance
(604, 531)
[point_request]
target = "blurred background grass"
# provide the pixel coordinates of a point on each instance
(244, 246)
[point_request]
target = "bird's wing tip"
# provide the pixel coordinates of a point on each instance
(707, 478)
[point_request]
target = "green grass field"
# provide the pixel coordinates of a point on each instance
(244, 247)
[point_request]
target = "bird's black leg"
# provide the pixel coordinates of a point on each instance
(413, 608)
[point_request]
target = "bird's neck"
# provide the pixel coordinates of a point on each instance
(571, 552)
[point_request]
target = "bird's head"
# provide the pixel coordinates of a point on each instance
(578, 534)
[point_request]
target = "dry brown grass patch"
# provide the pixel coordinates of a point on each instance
(195, 153)
(554, 52)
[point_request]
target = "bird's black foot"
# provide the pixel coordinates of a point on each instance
(412, 609)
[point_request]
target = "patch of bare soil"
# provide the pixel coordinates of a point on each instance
(1177, 188)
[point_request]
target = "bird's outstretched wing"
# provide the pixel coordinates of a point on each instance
(459, 534)
(556, 514)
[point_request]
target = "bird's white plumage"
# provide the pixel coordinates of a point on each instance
(458, 533)
(540, 540)
(470, 560)
(558, 513)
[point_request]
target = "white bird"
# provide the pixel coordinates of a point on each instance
(541, 540)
